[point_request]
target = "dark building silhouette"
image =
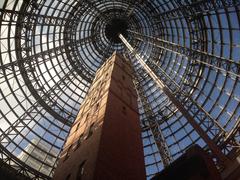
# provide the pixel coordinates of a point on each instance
(195, 164)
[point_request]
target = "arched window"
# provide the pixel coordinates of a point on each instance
(78, 143)
(68, 153)
(68, 177)
(80, 170)
(90, 132)
(77, 126)
(97, 106)
(124, 110)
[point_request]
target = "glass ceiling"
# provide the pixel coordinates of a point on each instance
(51, 49)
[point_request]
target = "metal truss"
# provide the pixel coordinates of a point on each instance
(197, 56)
(51, 49)
(196, 8)
(184, 103)
(151, 121)
(27, 69)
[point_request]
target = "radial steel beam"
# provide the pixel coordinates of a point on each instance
(24, 120)
(26, 69)
(222, 159)
(196, 8)
(233, 135)
(69, 30)
(16, 129)
(41, 54)
(92, 6)
(153, 123)
(12, 15)
(219, 63)
(130, 9)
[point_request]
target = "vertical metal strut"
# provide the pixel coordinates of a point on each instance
(216, 151)
(153, 124)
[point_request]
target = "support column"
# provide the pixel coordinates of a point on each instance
(153, 125)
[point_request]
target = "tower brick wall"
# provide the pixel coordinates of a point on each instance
(105, 140)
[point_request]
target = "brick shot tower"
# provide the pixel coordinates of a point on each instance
(105, 140)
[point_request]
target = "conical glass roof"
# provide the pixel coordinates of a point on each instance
(51, 49)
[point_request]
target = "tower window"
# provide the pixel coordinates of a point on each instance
(77, 126)
(97, 106)
(68, 152)
(123, 66)
(80, 170)
(68, 177)
(124, 110)
(78, 143)
(102, 83)
(87, 116)
(90, 132)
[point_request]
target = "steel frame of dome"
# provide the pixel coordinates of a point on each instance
(50, 50)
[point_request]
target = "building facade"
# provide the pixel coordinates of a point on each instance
(105, 140)
(32, 155)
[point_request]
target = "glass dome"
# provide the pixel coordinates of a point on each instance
(51, 49)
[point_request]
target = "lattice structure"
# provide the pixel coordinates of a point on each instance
(51, 49)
